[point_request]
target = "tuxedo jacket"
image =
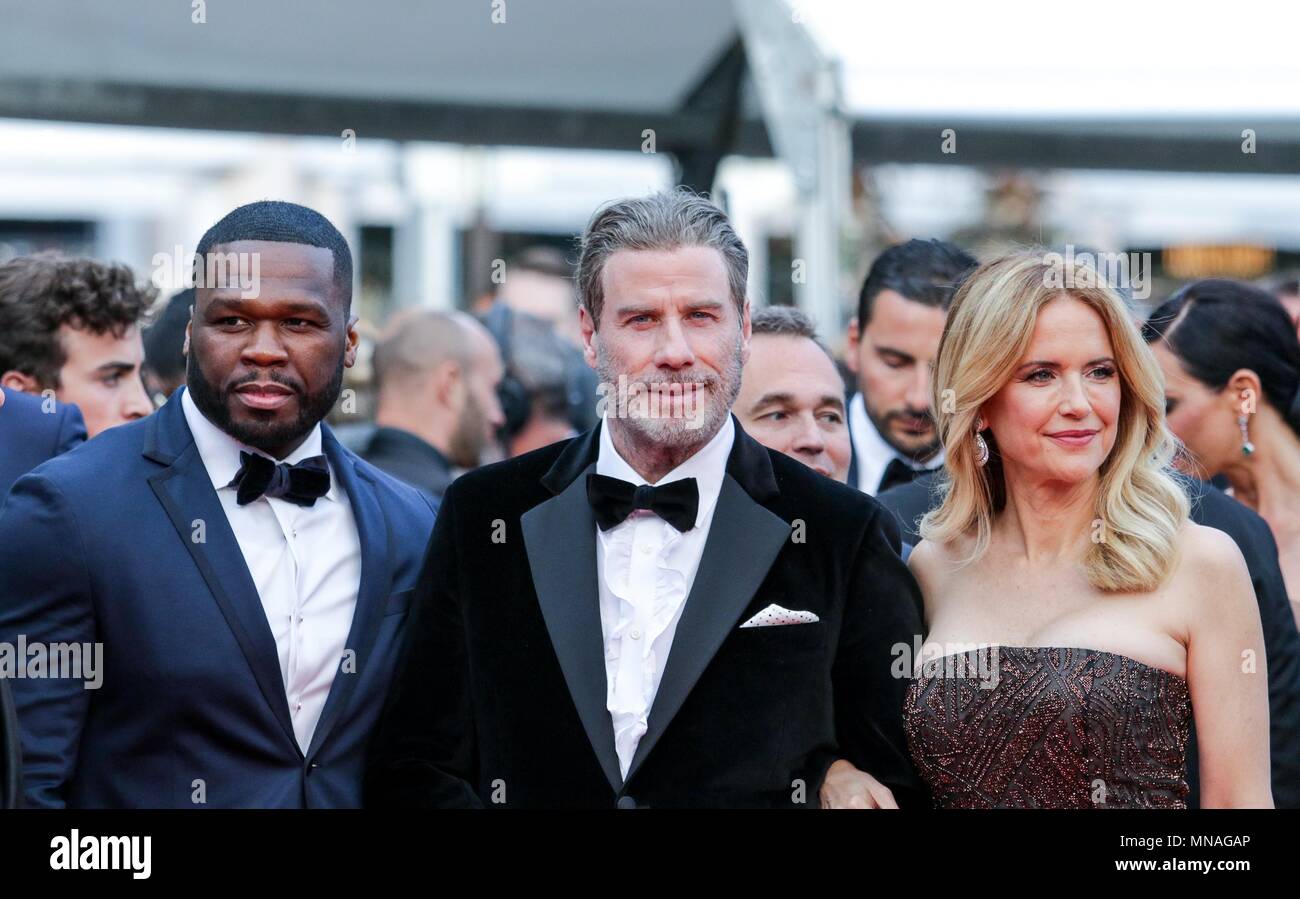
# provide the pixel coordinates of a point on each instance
(1211, 508)
(124, 542)
(500, 693)
(29, 435)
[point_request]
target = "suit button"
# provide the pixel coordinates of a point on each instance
(626, 802)
(312, 767)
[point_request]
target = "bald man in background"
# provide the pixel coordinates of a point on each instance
(437, 375)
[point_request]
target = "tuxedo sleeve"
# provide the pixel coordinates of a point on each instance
(880, 622)
(45, 599)
(424, 753)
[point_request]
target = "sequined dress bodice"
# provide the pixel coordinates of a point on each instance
(1049, 727)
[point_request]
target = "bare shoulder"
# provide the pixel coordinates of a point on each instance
(1208, 552)
(931, 563)
(1211, 564)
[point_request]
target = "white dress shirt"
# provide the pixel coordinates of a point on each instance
(305, 562)
(644, 570)
(871, 451)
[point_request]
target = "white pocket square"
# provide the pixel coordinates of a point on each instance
(774, 615)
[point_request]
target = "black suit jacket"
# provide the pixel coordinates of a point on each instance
(409, 458)
(500, 693)
(1212, 508)
(29, 435)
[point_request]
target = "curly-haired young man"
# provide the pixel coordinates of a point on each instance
(72, 326)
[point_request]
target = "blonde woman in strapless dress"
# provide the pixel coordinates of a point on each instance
(1077, 620)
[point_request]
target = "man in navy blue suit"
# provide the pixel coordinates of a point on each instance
(33, 429)
(246, 578)
(30, 433)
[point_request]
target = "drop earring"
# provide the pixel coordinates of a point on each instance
(981, 445)
(1247, 448)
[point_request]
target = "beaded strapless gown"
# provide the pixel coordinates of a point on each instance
(1049, 727)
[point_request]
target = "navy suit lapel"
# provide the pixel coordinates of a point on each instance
(376, 583)
(185, 491)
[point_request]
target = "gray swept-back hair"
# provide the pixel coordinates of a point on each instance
(667, 220)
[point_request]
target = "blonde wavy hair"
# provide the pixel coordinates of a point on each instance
(1141, 501)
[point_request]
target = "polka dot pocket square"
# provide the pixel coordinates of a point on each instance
(774, 615)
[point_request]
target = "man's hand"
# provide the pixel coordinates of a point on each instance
(847, 787)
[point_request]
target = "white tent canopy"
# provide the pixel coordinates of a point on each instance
(1111, 85)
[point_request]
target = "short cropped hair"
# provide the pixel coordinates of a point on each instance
(785, 321)
(923, 271)
(280, 222)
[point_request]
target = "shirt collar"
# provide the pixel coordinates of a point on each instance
(220, 452)
(708, 466)
(873, 452)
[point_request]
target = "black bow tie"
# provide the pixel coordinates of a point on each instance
(898, 472)
(614, 500)
(301, 484)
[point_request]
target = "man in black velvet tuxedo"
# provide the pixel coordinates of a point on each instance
(660, 612)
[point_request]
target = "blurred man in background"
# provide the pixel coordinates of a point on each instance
(892, 344)
(437, 375)
(791, 396)
(164, 348)
(72, 327)
(539, 282)
(549, 393)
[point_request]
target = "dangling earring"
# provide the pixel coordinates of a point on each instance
(981, 447)
(1247, 448)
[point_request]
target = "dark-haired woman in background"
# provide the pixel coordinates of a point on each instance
(1231, 361)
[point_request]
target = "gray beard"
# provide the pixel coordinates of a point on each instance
(678, 432)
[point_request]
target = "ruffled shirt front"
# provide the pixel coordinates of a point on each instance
(644, 571)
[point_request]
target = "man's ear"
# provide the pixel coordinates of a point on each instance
(855, 337)
(588, 327)
(353, 338)
(185, 347)
(20, 381)
(448, 382)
